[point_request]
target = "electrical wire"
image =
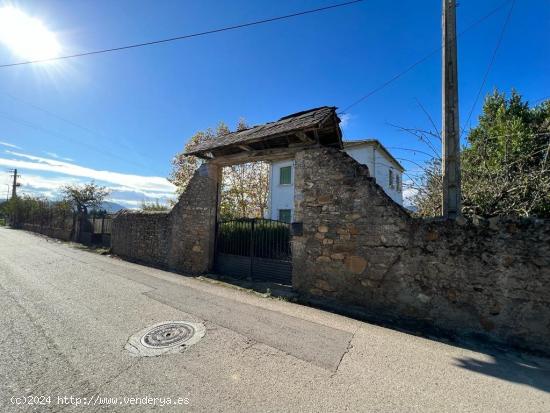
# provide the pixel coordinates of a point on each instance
(491, 62)
(418, 62)
(187, 36)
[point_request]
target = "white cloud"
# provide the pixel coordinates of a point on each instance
(9, 145)
(127, 189)
(154, 184)
(56, 156)
(345, 119)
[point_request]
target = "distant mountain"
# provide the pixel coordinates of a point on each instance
(111, 207)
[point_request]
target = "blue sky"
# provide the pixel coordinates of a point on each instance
(120, 117)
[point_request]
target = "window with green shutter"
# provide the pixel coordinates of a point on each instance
(285, 215)
(285, 175)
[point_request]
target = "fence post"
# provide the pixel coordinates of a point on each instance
(251, 250)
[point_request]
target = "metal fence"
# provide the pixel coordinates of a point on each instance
(101, 225)
(95, 230)
(254, 248)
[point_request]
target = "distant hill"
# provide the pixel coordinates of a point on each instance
(111, 207)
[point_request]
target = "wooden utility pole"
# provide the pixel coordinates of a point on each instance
(450, 126)
(15, 184)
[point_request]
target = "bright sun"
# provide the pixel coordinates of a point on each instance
(27, 36)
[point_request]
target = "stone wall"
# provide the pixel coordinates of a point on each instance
(193, 223)
(142, 236)
(359, 248)
(181, 240)
(63, 233)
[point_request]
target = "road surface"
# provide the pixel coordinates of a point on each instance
(67, 315)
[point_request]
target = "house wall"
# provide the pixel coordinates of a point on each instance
(379, 166)
(361, 249)
(280, 196)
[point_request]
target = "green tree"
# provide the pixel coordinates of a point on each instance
(83, 198)
(505, 164)
(245, 187)
(153, 206)
(35, 210)
(184, 166)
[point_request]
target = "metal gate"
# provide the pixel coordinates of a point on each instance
(258, 249)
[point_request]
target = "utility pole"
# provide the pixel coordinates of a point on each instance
(450, 126)
(15, 184)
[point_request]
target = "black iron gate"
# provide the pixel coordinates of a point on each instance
(258, 249)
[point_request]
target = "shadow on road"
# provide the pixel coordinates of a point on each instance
(511, 368)
(510, 364)
(270, 288)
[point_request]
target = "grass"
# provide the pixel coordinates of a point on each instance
(92, 248)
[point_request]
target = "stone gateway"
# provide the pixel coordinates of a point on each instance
(356, 247)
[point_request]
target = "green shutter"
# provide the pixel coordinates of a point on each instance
(285, 215)
(285, 175)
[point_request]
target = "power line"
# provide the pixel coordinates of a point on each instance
(188, 36)
(541, 99)
(64, 137)
(72, 123)
(491, 62)
(46, 111)
(418, 62)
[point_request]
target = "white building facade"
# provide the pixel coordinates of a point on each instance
(370, 152)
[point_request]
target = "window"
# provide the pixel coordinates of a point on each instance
(285, 175)
(397, 182)
(285, 215)
(390, 180)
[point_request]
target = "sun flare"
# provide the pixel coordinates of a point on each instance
(26, 36)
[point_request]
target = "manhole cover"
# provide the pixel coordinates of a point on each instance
(168, 335)
(165, 337)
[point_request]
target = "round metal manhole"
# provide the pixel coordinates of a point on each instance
(165, 337)
(168, 335)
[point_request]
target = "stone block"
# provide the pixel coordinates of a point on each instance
(355, 264)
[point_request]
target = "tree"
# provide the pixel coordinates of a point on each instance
(84, 197)
(36, 210)
(505, 164)
(245, 187)
(428, 194)
(184, 166)
(153, 206)
(245, 190)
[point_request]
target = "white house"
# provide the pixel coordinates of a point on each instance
(382, 166)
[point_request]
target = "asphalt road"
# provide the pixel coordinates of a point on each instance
(66, 315)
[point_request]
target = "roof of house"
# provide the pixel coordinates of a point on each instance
(377, 144)
(321, 120)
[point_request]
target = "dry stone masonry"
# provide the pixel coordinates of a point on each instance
(359, 248)
(180, 240)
